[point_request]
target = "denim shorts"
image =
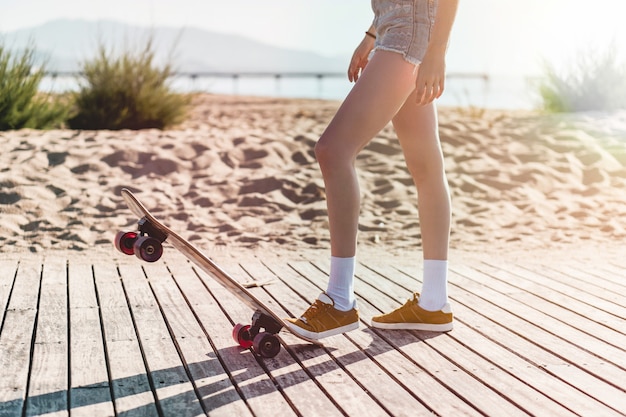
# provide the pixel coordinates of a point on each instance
(404, 26)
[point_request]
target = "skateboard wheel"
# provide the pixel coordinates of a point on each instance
(266, 344)
(125, 241)
(241, 335)
(148, 248)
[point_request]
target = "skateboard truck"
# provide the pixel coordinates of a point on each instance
(147, 228)
(264, 343)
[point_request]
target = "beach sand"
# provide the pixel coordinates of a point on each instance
(240, 174)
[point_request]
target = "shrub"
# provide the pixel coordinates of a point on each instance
(597, 81)
(21, 106)
(126, 92)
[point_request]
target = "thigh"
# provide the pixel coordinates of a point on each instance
(386, 82)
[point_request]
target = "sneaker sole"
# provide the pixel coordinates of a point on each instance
(445, 327)
(322, 335)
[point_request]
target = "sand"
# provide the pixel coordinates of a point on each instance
(240, 174)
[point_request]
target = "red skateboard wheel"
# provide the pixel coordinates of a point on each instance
(266, 344)
(148, 248)
(125, 241)
(241, 335)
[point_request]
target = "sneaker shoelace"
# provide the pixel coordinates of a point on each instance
(410, 302)
(316, 308)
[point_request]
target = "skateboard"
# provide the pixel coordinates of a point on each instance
(147, 244)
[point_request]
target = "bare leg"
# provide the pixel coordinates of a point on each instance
(417, 131)
(378, 95)
(416, 127)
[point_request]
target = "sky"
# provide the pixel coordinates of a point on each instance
(489, 36)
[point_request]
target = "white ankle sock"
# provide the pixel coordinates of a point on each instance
(341, 282)
(435, 287)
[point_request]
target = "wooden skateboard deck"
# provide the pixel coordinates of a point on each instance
(146, 244)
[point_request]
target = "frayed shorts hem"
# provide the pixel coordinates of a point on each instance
(404, 54)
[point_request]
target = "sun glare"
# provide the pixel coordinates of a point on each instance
(579, 27)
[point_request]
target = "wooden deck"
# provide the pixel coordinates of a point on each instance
(117, 337)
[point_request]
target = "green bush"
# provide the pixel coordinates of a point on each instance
(126, 92)
(21, 105)
(597, 81)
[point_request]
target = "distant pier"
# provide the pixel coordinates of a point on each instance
(466, 88)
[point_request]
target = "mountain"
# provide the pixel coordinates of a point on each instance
(64, 44)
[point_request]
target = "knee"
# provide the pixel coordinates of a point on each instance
(428, 174)
(328, 154)
(320, 150)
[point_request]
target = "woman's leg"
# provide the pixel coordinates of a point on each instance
(416, 127)
(417, 130)
(382, 89)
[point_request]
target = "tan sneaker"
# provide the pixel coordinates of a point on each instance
(322, 320)
(413, 317)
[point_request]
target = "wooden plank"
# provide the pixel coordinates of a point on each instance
(592, 287)
(47, 396)
(132, 393)
(528, 385)
(173, 389)
(377, 367)
(217, 311)
(561, 309)
(565, 337)
(498, 326)
(519, 386)
(25, 292)
(445, 371)
(568, 310)
(533, 361)
(539, 347)
(171, 330)
(8, 269)
(529, 345)
(218, 394)
(610, 271)
(47, 393)
(416, 381)
(15, 361)
(605, 274)
(90, 393)
(590, 294)
(17, 337)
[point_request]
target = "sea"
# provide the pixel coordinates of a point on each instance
(462, 90)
